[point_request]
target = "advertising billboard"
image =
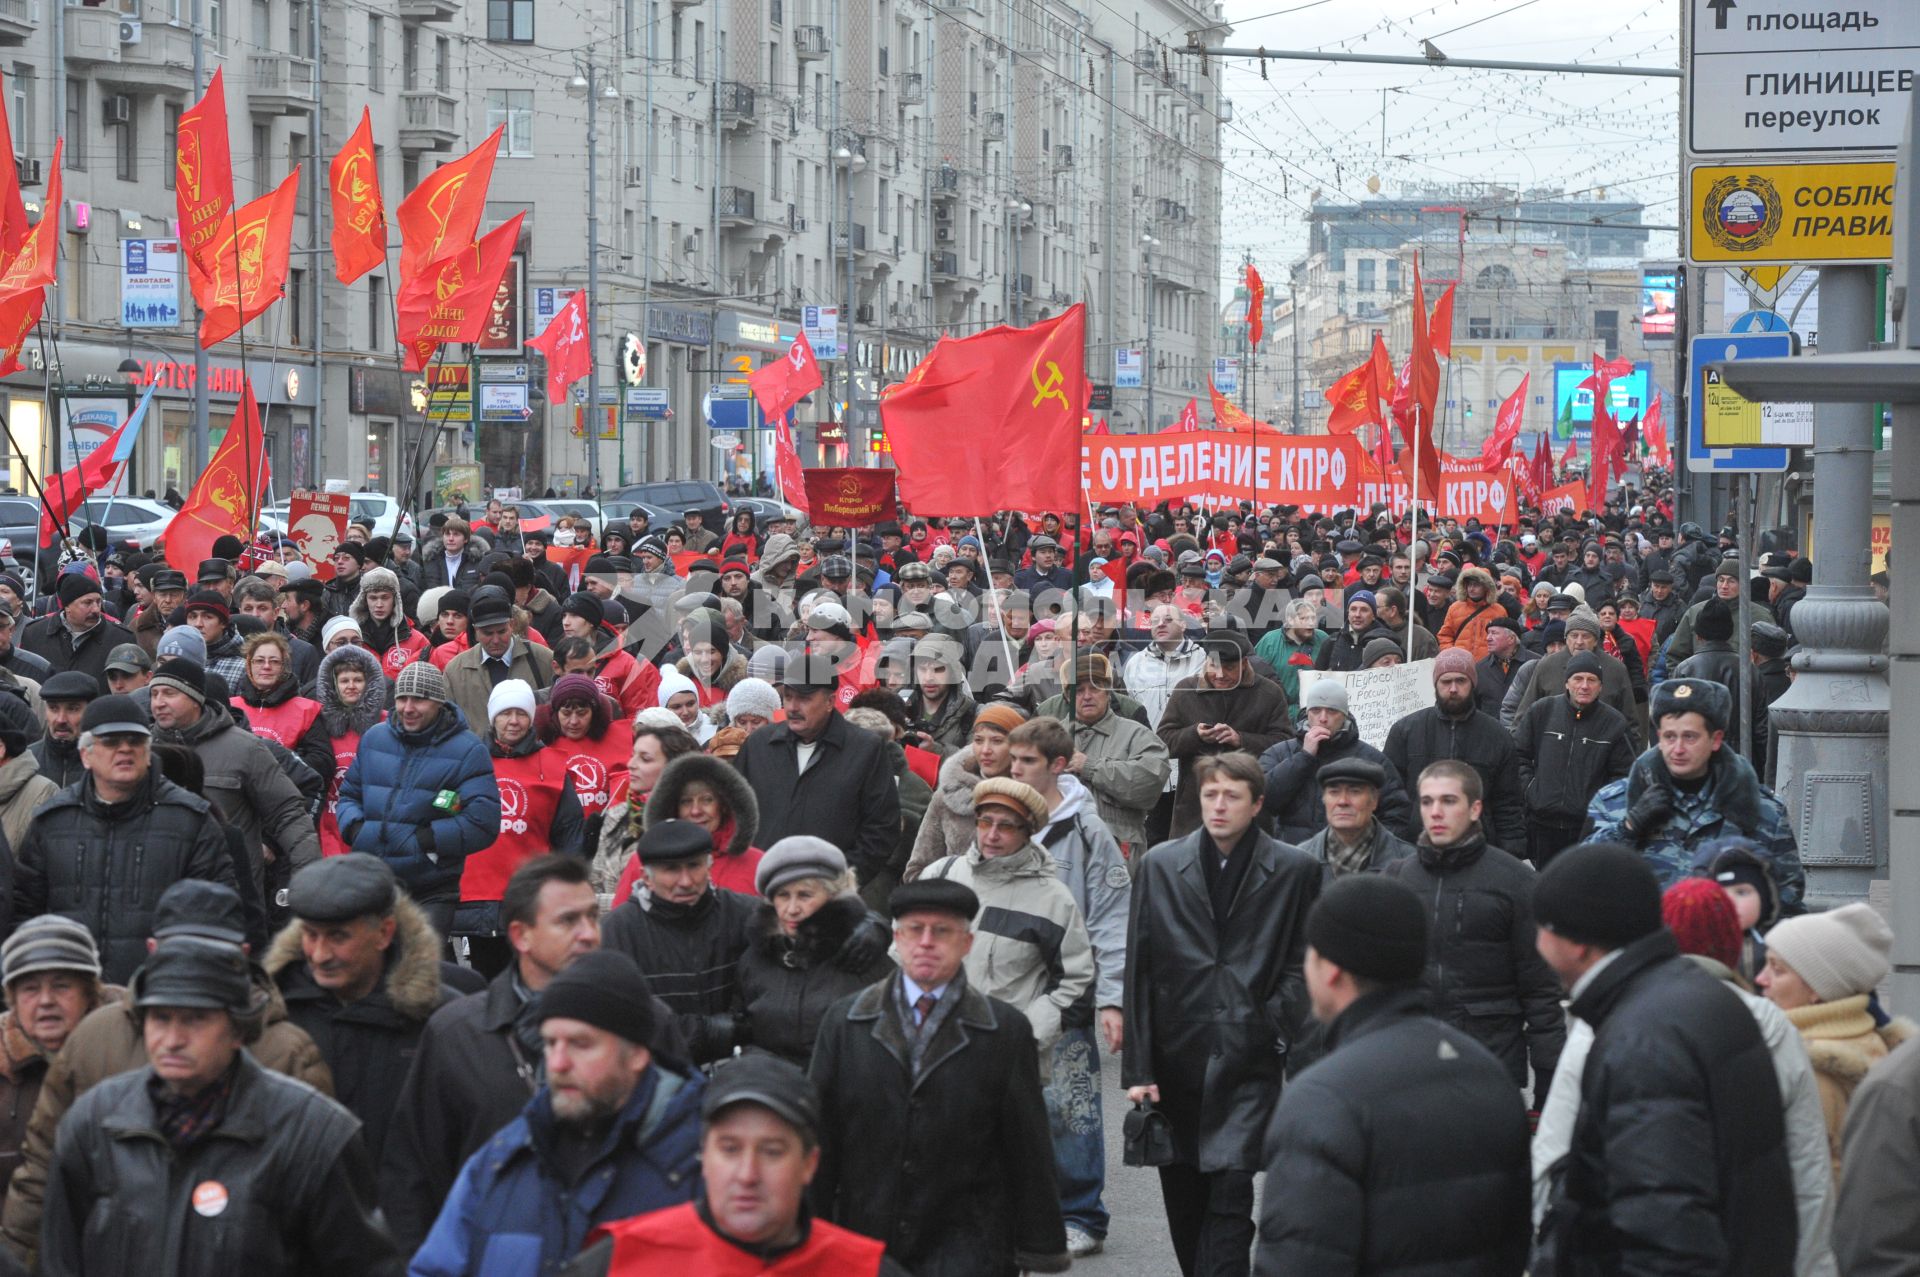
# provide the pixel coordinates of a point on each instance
(1573, 399)
(1659, 287)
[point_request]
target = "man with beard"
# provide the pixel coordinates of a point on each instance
(65, 697)
(1454, 727)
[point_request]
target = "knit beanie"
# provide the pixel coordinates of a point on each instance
(76, 585)
(1377, 649)
(1324, 693)
(768, 664)
(1000, 716)
(1715, 622)
(672, 683)
(50, 942)
(1703, 921)
(1840, 953)
(1601, 894)
(514, 693)
(585, 606)
(1371, 925)
(422, 679)
(1585, 663)
(574, 689)
(753, 696)
(182, 640)
(337, 626)
(605, 989)
(182, 675)
(1455, 660)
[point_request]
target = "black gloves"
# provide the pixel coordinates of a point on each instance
(1649, 813)
(866, 945)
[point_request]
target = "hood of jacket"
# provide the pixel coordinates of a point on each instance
(817, 939)
(15, 773)
(1031, 861)
(957, 778)
(1074, 799)
(214, 719)
(1732, 788)
(1474, 574)
(340, 717)
(718, 775)
(412, 978)
(378, 579)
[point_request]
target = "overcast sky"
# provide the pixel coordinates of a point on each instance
(1318, 126)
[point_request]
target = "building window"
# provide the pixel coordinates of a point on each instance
(376, 312)
(442, 63)
(1606, 330)
(171, 113)
(126, 145)
(217, 23)
(513, 108)
(21, 114)
(376, 54)
(673, 148)
(296, 306)
(1393, 275)
(510, 21)
(297, 28)
(75, 156)
(409, 56)
(262, 145)
(1367, 268)
(74, 286)
(699, 50)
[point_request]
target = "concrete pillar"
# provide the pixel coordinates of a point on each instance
(1834, 721)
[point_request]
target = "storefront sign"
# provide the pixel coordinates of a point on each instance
(149, 283)
(681, 324)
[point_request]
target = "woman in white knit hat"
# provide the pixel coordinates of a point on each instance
(1821, 970)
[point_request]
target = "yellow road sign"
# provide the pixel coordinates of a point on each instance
(1790, 214)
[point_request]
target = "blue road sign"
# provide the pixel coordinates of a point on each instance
(1761, 321)
(1722, 348)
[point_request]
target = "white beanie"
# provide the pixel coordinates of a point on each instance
(673, 682)
(337, 626)
(513, 693)
(1840, 953)
(753, 696)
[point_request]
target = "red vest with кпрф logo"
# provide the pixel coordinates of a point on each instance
(283, 724)
(678, 1240)
(529, 796)
(597, 764)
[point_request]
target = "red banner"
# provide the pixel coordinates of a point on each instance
(1481, 495)
(1189, 423)
(850, 498)
(786, 466)
(203, 176)
(359, 215)
(317, 524)
(785, 381)
(1568, 498)
(226, 499)
(1506, 426)
(1256, 306)
(1216, 468)
(564, 342)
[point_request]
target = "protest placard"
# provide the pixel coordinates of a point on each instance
(317, 523)
(1376, 699)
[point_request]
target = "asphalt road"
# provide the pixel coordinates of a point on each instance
(1137, 1243)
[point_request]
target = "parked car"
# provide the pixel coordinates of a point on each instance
(765, 508)
(677, 496)
(377, 510)
(134, 519)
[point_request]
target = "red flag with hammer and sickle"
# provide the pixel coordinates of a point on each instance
(1506, 428)
(247, 262)
(440, 217)
(359, 214)
(787, 471)
(450, 302)
(202, 179)
(31, 269)
(992, 421)
(564, 342)
(226, 500)
(1355, 399)
(787, 380)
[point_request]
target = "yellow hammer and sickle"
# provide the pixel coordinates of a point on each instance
(1049, 389)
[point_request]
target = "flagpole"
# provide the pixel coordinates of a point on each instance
(1414, 511)
(993, 597)
(62, 525)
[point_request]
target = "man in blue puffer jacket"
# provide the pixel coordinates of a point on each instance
(420, 793)
(614, 1133)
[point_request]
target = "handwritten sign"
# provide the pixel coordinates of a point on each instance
(1377, 699)
(317, 523)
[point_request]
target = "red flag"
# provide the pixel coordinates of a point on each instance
(1383, 448)
(1016, 395)
(787, 473)
(1419, 390)
(450, 302)
(31, 268)
(1506, 428)
(202, 178)
(1570, 456)
(1099, 428)
(1540, 473)
(359, 214)
(1383, 383)
(850, 498)
(66, 491)
(246, 263)
(18, 315)
(564, 342)
(1256, 306)
(1441, 329)
(1355, 399)
(1608, 443)
(787, 380)
(1226, 413)
(1653, 429)
(226, 500)
(1189, 423)
(440, 217)
(13, 210)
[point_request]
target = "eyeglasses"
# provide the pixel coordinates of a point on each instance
(988, 825)
(121, 740)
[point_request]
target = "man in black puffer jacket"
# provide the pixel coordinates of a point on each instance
(1568, 748)
(686, 935)
(103, 849)
(1485, 977)
(1678, 1162)
(1454, 727)
(1327, 732)
(1406, 1152)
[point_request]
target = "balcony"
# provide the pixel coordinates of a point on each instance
(946, 265)
(996, 126)
(1023, 285)
(1063, 157)
(736, 205)
(913, 88)
(429, 120)
(736, 103)
(278, 84)
(810, 43)
(946, 181)
(160, 59)
(428, 10)
(16, 21)
(93, 35)
(859, 237)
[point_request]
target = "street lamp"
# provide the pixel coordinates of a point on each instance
(585, 84)
(1147, 244)
(853, 162)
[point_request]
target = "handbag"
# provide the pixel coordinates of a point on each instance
(1148, 1137)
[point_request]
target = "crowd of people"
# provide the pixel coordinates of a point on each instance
(582, 899)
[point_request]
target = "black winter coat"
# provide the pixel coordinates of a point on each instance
(1293, 793)
(952, 1170)
(1492, 678)
(59, 760)
(48, 638)
(1212, 1007)
(470, 1077)
(298, 1187)
(1678, 1162)
(106, 865)
(1404, 1151)
(1257, 709)
(1429, 735)
(1717, 661)
(846, 797)
(689, 955)
(1485, 976)
(788, 983)
(1565, 754)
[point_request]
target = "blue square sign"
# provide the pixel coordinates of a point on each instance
(1723, 348)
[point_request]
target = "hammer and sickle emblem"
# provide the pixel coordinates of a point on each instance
(797, 357)
(1050, 388)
